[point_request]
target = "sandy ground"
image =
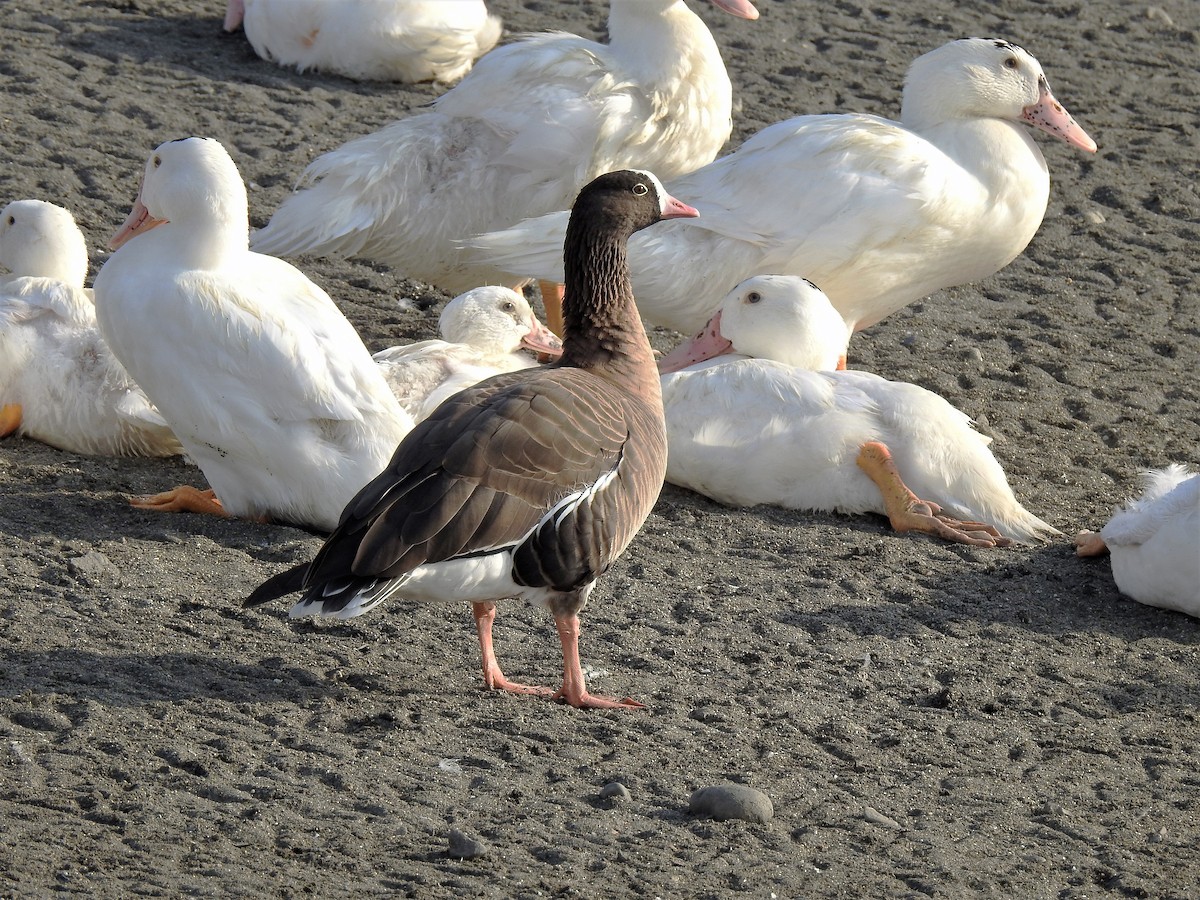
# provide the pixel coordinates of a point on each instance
(928, 720)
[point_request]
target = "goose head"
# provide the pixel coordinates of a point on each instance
(979, 78)
(496, 320)
(41, 240)
(780, 317)
(193, 183)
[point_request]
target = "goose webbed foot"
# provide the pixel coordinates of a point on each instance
(1089, 543)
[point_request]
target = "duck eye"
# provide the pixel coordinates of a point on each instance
(509, 306)
(640, 189)
(12, 220)
(1010, 63)
(753, 297)
(156, 162)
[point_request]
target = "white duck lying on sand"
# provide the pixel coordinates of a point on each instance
(1155, 542)
(59, 382)
(531, 124)
(486, 331)
(879, 213)
(386, 40)
(749, 426)
(265, 383)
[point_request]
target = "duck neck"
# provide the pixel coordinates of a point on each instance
(602, 329)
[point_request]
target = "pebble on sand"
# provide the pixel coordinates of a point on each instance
(732, 801)
(464, 846)
(614, 792)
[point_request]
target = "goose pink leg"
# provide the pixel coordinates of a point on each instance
(574, 689)
(493, 678)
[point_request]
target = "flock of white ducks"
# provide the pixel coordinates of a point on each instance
(250, 369)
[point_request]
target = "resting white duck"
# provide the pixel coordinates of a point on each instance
(59, 382)
(270, 390)
(879, 213)
(486, 331)
(519, 136)
(748, 426)
(1155, 542)
(384, 40)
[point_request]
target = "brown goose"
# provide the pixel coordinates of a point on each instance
(529, 484)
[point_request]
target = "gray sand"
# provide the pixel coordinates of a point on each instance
(926, 719)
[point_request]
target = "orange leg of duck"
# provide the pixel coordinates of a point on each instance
(574, 689)
(841, 363)
(10, 418)
(493, 678)
(908, 512)
(552, 298)
(182, 499)
(1089, 543)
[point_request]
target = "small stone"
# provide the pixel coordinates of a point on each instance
(94, 568)
(1157, 837)
(464, 846)
(973, 354)
(1094, 217)
(875, 817)
(615, 792)
(732, 801)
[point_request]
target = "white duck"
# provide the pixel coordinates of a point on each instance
(385, 40)
(59, 382)
(266, 384)
(1155, 542)
(879, 213)
(519, 136)
(750, 427)
(486, 331)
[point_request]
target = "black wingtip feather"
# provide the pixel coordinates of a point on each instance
(277, 586)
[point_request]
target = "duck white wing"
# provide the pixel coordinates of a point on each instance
(1155, 542)
(55, 366)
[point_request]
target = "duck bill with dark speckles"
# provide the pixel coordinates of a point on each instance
(542, 342)
(708, 344)
(138, 222)
(1050, 116)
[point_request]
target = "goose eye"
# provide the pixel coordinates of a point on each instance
(753, 297)
(1010, 63)
(640, 189)
(509, 306)
(12, 220)
(156, 162)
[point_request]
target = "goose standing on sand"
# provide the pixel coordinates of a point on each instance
(879, 213)
(385, 40)
(746, 426)
(532, 123)
(1155, 542)
(59, 382)
(265, 383)
(486, 331)
(529, 484)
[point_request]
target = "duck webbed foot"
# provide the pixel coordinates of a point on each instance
(908, 512)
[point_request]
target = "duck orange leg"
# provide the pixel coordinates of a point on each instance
(908, 512)
(574, 688)
(485, 617)
(552, 298)
(182, 499)
(10, 418)
(1089, 543)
